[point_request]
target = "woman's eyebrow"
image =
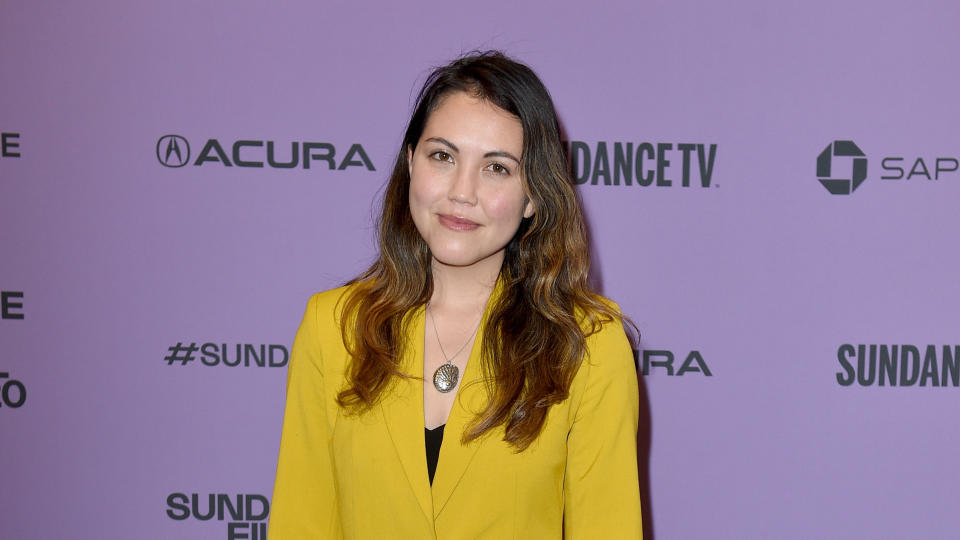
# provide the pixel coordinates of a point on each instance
(501, 153)
(441, 140)
(495, 153)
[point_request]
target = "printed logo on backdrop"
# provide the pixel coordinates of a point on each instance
(899, 365)
(220, 354)
(245, 514)
(842, 167)
(825, 169)
(644, 164)
(670, 363)
(13, 393)
(9, 145)
(174, 151)
(11, 305)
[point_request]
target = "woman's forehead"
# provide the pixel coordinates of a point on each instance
(465, 119)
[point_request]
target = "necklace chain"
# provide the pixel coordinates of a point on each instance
(436, 332)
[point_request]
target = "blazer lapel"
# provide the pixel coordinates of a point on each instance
(454, 456)
(403, 413)
(472, 397)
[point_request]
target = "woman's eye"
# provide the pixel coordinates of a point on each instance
(442, 156)
(499, 169)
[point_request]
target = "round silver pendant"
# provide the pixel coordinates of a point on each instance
(445, 377)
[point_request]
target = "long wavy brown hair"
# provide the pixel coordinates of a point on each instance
(535, 333)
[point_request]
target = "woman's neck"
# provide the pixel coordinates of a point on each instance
(463, 288)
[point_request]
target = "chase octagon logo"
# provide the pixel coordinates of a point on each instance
(837, 180)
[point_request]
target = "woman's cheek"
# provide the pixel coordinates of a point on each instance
(505, 206)
(425, 191)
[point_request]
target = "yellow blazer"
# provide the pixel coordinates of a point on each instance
(365, 477)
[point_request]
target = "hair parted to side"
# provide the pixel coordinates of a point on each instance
(535, 334)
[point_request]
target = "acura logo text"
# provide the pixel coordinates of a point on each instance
(174, 151)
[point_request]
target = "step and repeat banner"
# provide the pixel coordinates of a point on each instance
(771, 188)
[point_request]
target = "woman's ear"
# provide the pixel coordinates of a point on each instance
(529, 210)
(409, 160)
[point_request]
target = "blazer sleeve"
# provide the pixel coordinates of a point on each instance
(601, 491)
(304, 495)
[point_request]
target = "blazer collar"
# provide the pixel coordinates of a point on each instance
(403, 412)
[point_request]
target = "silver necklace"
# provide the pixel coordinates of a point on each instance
(446, 376)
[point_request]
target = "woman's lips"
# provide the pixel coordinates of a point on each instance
(457, 223)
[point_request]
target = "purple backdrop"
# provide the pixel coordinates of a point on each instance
(759, 279)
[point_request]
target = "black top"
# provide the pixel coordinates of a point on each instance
(433, 438)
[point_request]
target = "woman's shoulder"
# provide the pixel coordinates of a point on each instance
(329, 299)
(604, 316)
(609, 303)
(324, 309)
(610, 336)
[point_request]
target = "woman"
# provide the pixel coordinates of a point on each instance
(475, 327)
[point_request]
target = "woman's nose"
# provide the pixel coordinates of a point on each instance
(463, 187)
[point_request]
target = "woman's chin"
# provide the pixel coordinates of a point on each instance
(458, 259)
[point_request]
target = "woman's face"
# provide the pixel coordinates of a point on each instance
(466, 190)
